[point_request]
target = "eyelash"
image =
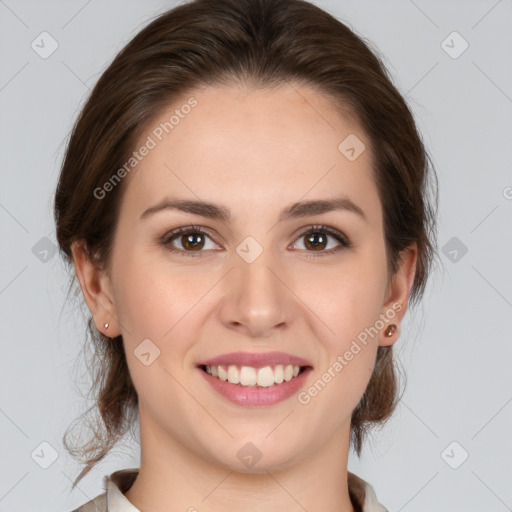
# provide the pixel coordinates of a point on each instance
(344, 241)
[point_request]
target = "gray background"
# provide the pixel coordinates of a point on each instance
(456, 349)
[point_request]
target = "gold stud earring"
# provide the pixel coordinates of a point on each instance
(391, 328)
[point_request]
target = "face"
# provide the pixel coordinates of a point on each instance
(270, 275)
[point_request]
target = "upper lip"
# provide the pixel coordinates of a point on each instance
(255, 360)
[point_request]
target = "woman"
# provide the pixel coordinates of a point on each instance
(244, 198)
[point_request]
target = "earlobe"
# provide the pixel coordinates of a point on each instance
(96, 289)
(399, 290)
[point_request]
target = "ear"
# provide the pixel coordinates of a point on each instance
(97, 291)
(398, 292)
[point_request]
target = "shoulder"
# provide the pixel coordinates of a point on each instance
(98, 504)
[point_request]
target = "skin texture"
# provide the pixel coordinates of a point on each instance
(255, 152)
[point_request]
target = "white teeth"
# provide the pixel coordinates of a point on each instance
(233, 374)
(278, 374)
(223, 374)
(249, 376)
(265, 377)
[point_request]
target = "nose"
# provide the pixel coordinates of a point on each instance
(256, 300)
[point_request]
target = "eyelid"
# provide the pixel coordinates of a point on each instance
(343, 240)
(193, 228)
(327, 229)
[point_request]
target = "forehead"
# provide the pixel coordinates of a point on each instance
(246, 147)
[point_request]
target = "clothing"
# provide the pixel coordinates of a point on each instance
(115, 485)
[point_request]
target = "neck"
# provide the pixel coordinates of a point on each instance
(174, 477)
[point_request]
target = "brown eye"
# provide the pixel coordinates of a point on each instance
(192, 241)
(316, 239)
(188, 240)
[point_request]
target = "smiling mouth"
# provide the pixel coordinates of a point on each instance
(248, 376)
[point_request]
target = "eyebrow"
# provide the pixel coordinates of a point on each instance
(295, 210)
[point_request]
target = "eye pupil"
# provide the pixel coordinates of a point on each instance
(315, 244)
(189, 238)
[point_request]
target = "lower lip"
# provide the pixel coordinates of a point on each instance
(256, 396)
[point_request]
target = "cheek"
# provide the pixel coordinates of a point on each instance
(349, 303)
(151, 297)
(350, 306)
(348, 298)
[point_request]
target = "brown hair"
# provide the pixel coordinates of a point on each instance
(263, 43)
